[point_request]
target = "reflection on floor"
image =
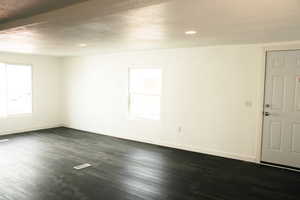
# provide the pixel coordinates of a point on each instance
(39, 166)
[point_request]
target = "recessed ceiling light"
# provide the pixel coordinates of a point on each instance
(82, 45)
(190, 32)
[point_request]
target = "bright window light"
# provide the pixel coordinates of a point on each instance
(144, 93)
(15, 89)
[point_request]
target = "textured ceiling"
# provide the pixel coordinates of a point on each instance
(107, 26)
(16, 9)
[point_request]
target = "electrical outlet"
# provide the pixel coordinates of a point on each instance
(179, 129)
(248, 104)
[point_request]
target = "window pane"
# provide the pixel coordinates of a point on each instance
(2, 90)
(145, 81)
(19, 92)
(145, 106)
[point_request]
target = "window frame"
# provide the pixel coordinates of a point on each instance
(21, 115)
(130, 116)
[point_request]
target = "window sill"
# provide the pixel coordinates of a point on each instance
(137, 118)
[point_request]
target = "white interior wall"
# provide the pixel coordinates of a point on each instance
(213, 93)
(46, 94)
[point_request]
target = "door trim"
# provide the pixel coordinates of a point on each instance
(261, 113)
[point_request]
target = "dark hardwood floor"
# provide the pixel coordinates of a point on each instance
(39, 166)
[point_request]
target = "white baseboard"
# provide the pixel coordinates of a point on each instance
(200, 150)
(182, 147)
(220, 153)
(9, 132)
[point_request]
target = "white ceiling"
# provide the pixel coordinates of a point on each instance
(16, 9)
(121, 25)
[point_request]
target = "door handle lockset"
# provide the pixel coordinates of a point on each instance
(267, 114)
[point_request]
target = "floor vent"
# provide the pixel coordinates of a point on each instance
(83, 166)
(4, 140)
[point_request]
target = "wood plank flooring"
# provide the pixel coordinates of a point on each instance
(39, 166)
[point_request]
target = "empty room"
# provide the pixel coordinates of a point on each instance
(150, 100)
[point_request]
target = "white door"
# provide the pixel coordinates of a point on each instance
(281, 132)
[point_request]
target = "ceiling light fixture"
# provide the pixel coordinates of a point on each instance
(190, 32)
(82, 45)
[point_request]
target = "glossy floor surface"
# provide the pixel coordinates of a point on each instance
(39, 166)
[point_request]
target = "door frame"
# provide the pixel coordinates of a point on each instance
(261, 102)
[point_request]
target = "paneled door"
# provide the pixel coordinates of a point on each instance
(281, 129)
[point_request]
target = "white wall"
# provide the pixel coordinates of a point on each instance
(214, 93)
(46, 94)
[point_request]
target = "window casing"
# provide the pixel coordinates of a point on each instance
(15, 89)
(144, 93)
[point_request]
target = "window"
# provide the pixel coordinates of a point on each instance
(144, 93)
(15, 89)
